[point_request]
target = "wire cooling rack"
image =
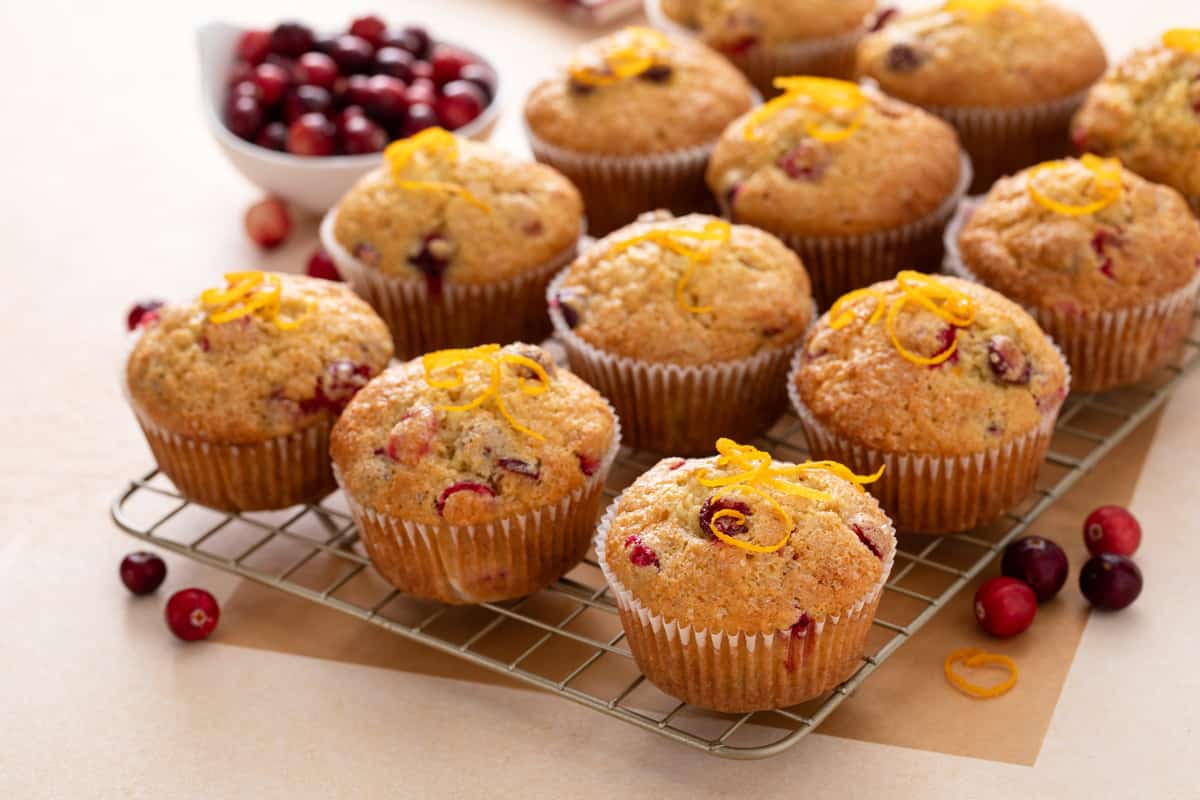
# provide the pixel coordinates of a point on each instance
(567, 639)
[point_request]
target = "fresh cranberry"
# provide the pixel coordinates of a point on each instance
(395, 62)
(422, 69)
(482, 76)
(306, 100)
(273, 136)
(272, 82)
(448, 63)
(312, 135)
(142, 572)
(253, 46)
(414, 39)
(867, 541)
(519, 467)
(657, 73)
(336, 386)
(317, 69)
(1005, 607)
(292, 39)
(432, 260)
(357, 90)
(239, 72)
(1110, 581)
(421, 90)
(588, 465)
(726, 525)
(1111, 529)
(1038, 562)
(386, 100)
(246, 88)
(143, 313)
(245, 116)
(462, 486)
(192, 614)
(353, 54)
(344, 116)
(640, 555)
(420, 116)
(320, 265)
(460, 103)
(369, 27)
(903, 57)
(882, 17)
(268, 222)
(806, 161)
(1007, 362)
(360, 135)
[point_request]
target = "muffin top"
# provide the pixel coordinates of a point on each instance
(983, 53)
(1081, 233)
(443, 208)
(471, 436)
(830, 158)
(690, 290)
(784, 549)
(735, 26)
(1146, 111)
(637, 92)
(266, 356)
(927, 364)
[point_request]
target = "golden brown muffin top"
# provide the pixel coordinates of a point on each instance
(637, 92)
(1146, 112)
(984, 53)
(691, 290)
(443, 208)
(218, 370)
(995, 379)
(830, 158)
(1141, 245)
(411, 446)
(827, 550)
(734, 26)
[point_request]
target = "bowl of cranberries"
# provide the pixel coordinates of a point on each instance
(303, 114)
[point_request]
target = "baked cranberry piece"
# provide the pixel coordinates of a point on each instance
(431, 260)
(367, 253)
(306, 100)
(946, 338)
(740, 46)
(519, 467)
(587, 464)
(143, 312)
(394, 61)
(253, 46)
(448, 63)
(292, 39)
(320, 265)
(882, 17)
(726, 525)
(411, 438)
(353, 54)
(639, 554)
(1080, 140)
(806, 161)
(867, 541)
(1101, 240)
(563, 302)
(460, 103)
(360, 135)
(245, 116)
(268, 222)
(369, 27)
(658, 73)
(462, 486)
(336, 386)
(731, 195)
(1007, 362)
(273, 136)
(903, 57)
(312, 135)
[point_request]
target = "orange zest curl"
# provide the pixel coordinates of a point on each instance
(975, 657)
(1106, 183)
(1185, 39)
(436, 144)
(979, 8)
(718, 231)
(489, 357)
(758, 473)
(825, 97)
(626, 54)
(250, 293)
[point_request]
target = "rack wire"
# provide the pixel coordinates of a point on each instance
(567, 638)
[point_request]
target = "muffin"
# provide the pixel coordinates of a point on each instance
(744, 584)
(859, 184)
(475, 475)
(1008, 74)
(768, 38)
(632, 119)
(1104, 260)
(454, 241)
(951, 386)
(1146, 112)
(236, 391)
(687, 324)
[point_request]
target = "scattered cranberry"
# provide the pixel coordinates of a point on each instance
(306, 100)
(1079, 140)
(640, 555)
(352, 53)
(519, 467)
(726, 525)
(903, 57)
(142, 572)
(395, 62)
(1007, 362)
(482, 76)
(657, 73)
(245, 116)
(432, 260)
(311, 135)
(1038, 562)
(947, 338)
(882, 17)
(1100, 242)
(369, 27)
(292, 39)
(1111, 529)
(254, 46)
(1110, 581)
(448, 63)
(143, 313)
(273, 136)
(320, 265)
(867, 541)
(460, 103)
(386, 97)
(462, 486)
(336, 387)
(1005, 606)
(806, 161)
(317, 69)
(272, 82)
(360, 135)
(588, 465)
(268, 222)
(192, 614)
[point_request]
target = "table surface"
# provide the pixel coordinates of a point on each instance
(113, 190)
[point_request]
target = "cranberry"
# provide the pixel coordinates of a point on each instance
(273, 137)
(268, 222)
(143, 313)
(462, 486)
(386, 98)
(311, 135)
(395, 62)
(867, 541)
(320, 265)
(245, 117)
(192, 614)
(360, 135)
(239, 72)
(272, 82)
(882, 17)
(414, 39)
(658, 73)
(482, 76)
(579, 88)
(726, 525)
(460, 103)
(448, 63)
(246, 88)
(730, 198)
(352, 53)
(344, 116)
(142, 572)
(367, 253)
(423, 69)
(1007, 362)
(1100, 242)
(1111, 529)
(421, 90)
(903, 57)
(569, 314)
(411, 438)
(1005, 607)
(357, 90)
(1079, 140)
(317, 69)
(640, 555)
(253, 46)
(947, 337)
(806, 161)
(432, 260)
(336, 386)
(369, 27)
(306, 100)
(1110, 581)
(1038, 562)
(292, 39)
(740, 46)
(519, 467)
(588, 465)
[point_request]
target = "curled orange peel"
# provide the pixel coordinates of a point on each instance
(489, 357)
(1106, 183)
(436, 144)
(824, 97)
(979, 8)
(626, 54)
(976, 657)
(250, 293)
(1185, 39)
(675, 240)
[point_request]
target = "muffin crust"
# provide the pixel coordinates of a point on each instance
(735, 25)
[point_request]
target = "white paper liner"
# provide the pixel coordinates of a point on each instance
(1106, 349)
(675, 409)
(506, 558)
(742, 671)
(464, 315)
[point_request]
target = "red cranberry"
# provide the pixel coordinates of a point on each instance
(1005, 606)
(1100, 242)
(272, 82)
(320, 265)
(806, 161)
(306, 100)
(352, 53)
(245, 116)
(640, 555)
(448, 63)
(588, 465)
(336, 386)
(1007, 362)
(268, 222)
(273, 137)
(1110, 581)
(360, 135)
(569, 313)
(460, 103)
(253, 46)
(395, 62)
(903, 57)
(411, 438)
(1038, 562)
(246, 88)
(192, 614)
(414, 39)
(657, 73)
(421, 90)
(317, 69)
(482, 76)
(519, 467)
(346, 113)
(422, 69)
(462, 486)
(420, 117)
(867, 541)
(882, 17)
(726, 525)
(367, 253)
(142, 572)
(1111, 529)
(369, 27)
(947, 337)
(1079, 140)
(240, 71)
(292, 39)
(386, 99)
(432, 260)
(143, 313)
(740, 46)
(357, 90)
(312, 135)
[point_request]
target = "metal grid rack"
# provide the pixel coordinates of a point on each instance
(567, 639)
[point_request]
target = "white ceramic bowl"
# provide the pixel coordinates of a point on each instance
(312, 183)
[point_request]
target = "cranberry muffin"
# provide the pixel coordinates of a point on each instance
(860, 185)
(632, 119)
(687, 324)
(236, 390)
(742, 593)
(475, 475)
(1146, 112)
(1008, 74)
(950, 385)
(454, 241)
(1106, 261)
